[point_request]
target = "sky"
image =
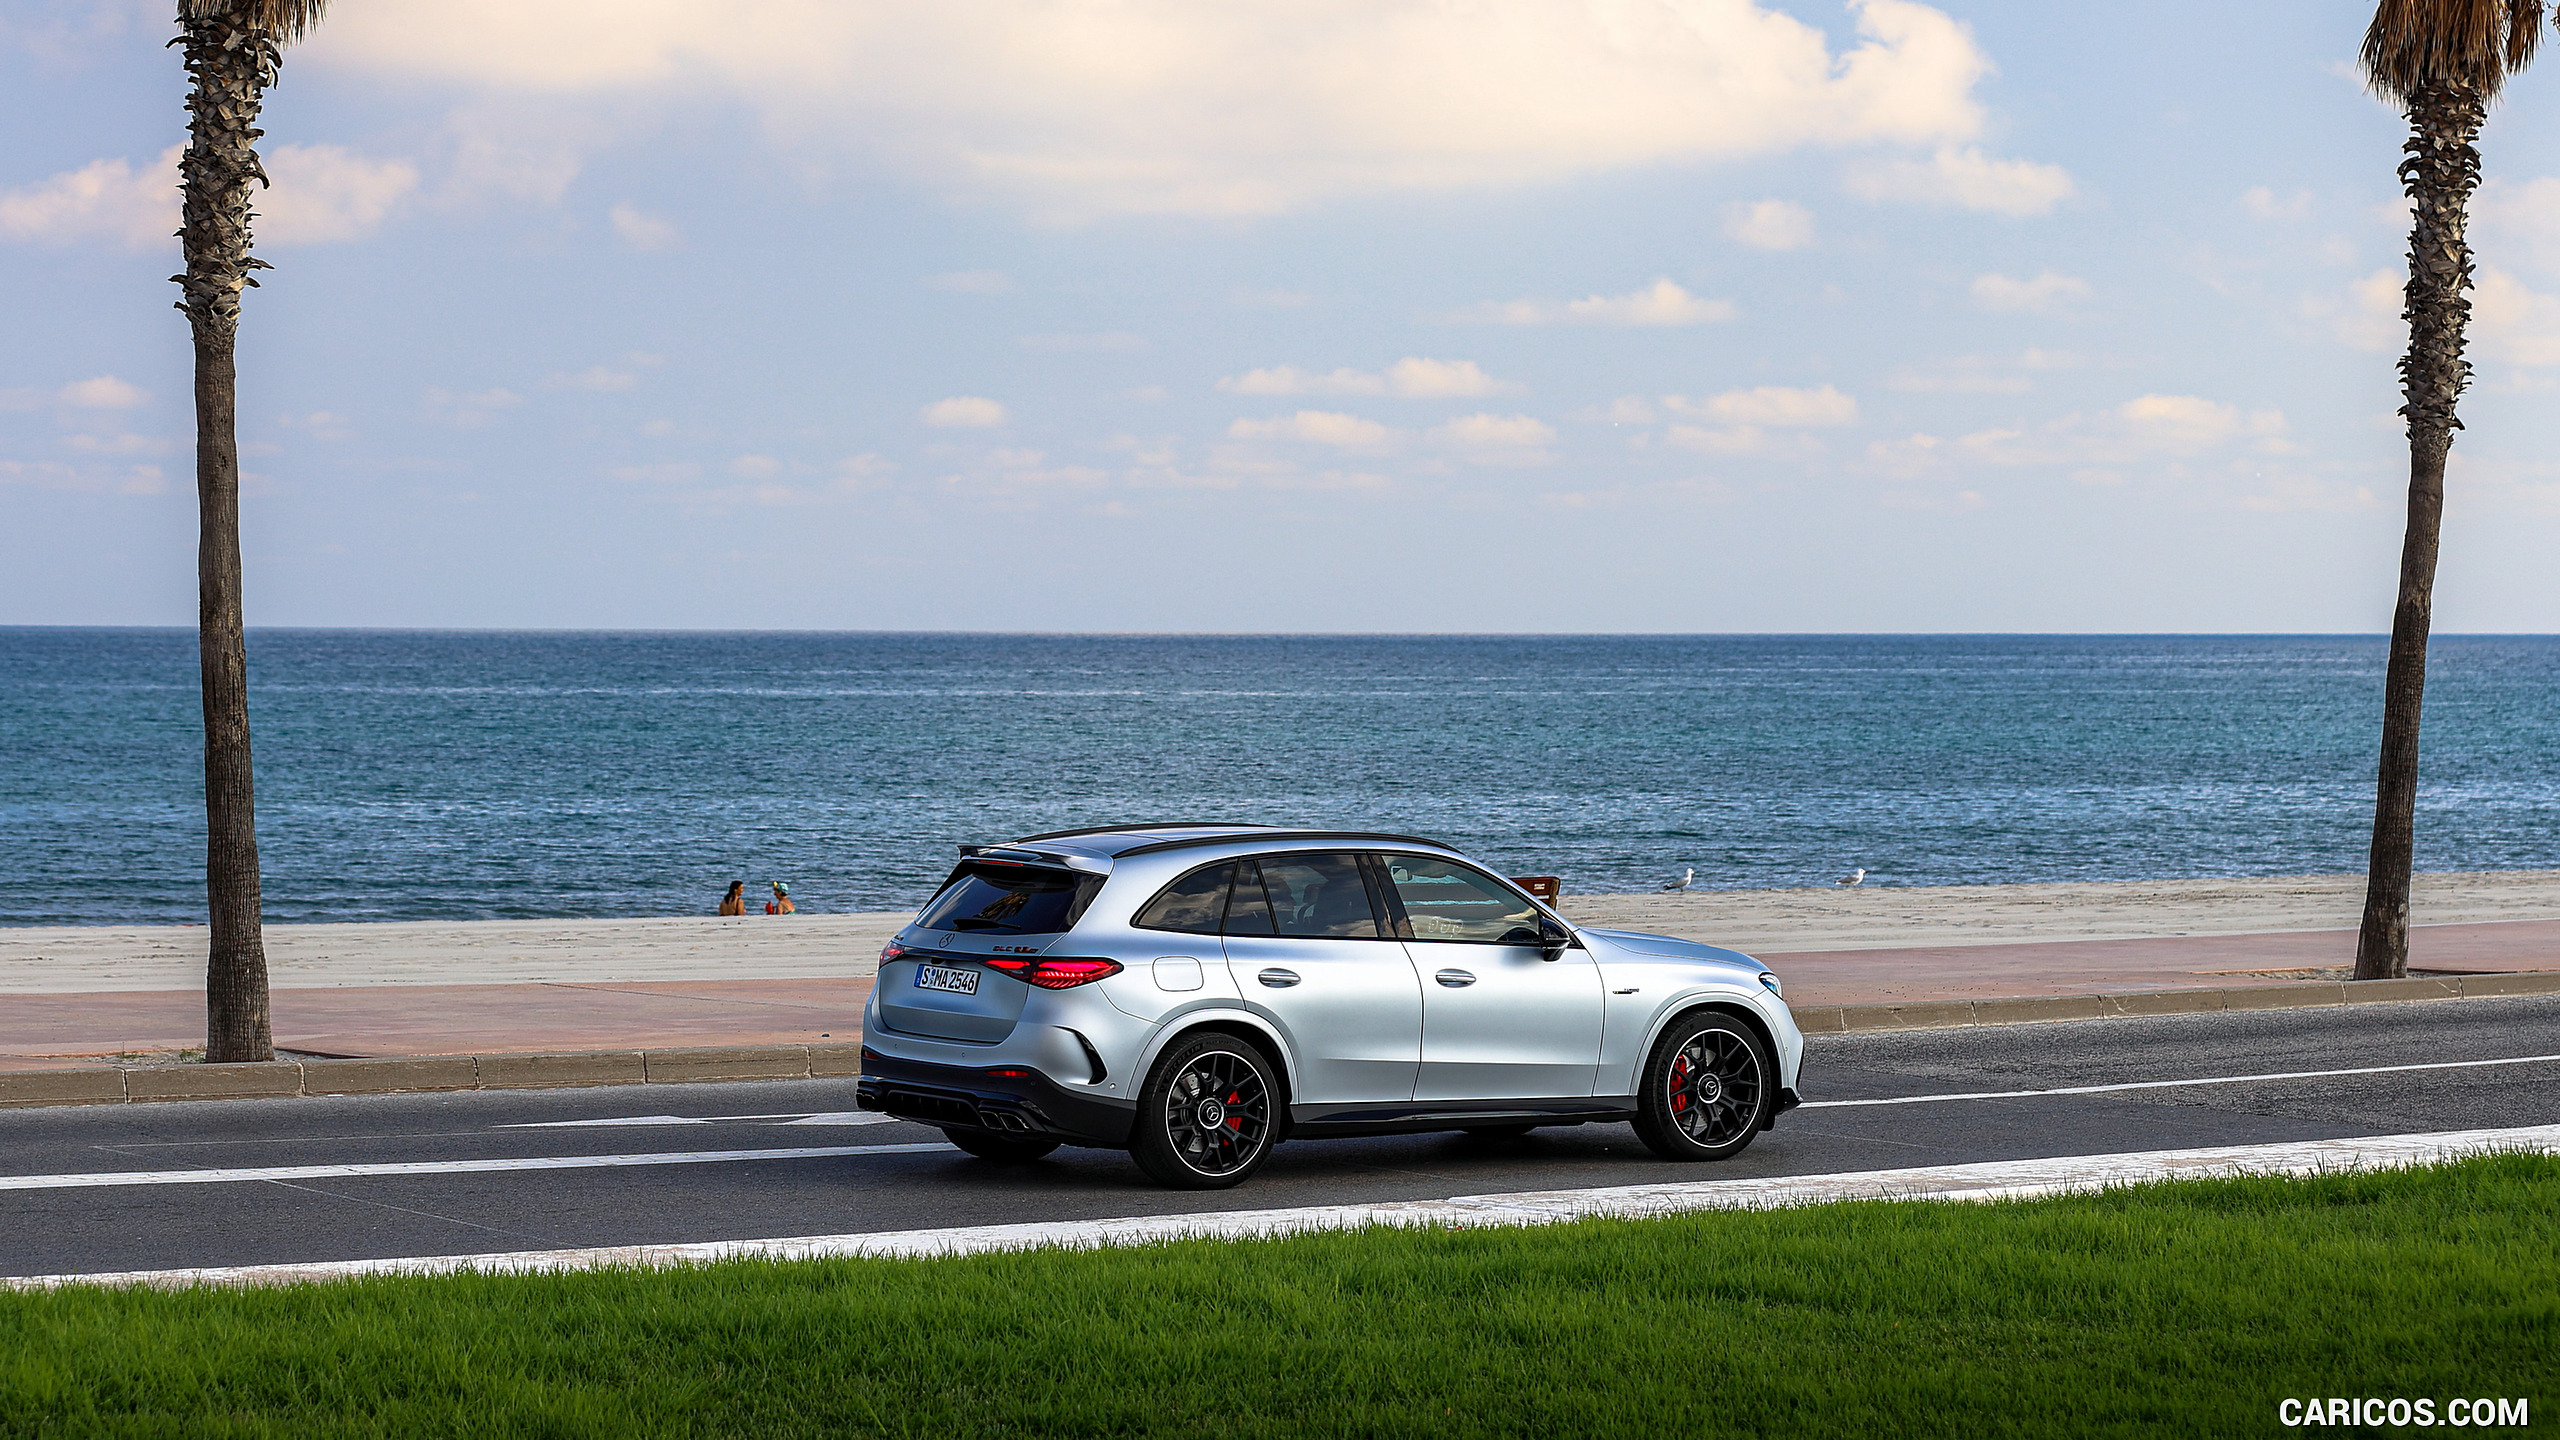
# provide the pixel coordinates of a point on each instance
(1329, 315)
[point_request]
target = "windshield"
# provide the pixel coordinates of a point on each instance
(1004, 899)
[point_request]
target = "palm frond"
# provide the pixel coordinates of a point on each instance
(286, 20)
(2479, 43)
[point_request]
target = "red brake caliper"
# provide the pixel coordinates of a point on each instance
(1235, 1122)
(1679, 1083)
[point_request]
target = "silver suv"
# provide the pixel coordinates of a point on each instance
(1197, 993)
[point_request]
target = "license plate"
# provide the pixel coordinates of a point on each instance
(944, 977)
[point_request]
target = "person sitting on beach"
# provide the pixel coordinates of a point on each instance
(780, 904)
(735, 902)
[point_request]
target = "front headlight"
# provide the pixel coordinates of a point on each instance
(1772, 982)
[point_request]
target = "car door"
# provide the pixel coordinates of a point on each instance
(1308, 953)
(1502, 1019)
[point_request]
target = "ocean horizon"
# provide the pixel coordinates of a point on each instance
(411, 774)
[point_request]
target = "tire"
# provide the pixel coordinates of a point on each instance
(1208, 1114)
(1706, 1089)
(988, 1145)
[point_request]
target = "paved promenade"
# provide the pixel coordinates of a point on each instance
(89, 995)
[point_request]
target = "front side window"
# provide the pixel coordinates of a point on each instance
(985, 895)
(1318, 896)
(1444, 900)
(1190, 905)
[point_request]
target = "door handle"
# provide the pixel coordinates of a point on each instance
(1455, 979)
(1277, 978)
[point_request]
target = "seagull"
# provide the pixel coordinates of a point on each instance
(1683, 882)
(1854, 877)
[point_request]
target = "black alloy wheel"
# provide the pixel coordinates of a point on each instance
(1707, 1089)
(1207, 1114)
(994, 1145)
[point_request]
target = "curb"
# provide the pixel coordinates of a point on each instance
(278, 1079)
(2033, 1009)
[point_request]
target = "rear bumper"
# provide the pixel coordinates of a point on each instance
(1023, 1103)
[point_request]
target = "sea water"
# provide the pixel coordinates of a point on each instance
(434, 775)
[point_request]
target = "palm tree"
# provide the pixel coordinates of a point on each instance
(2441, 62)
(232, 49)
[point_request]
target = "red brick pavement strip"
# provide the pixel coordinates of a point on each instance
(2099, 967)
(399, 1020)
(439, 1037)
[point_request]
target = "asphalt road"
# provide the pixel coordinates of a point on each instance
(901, 1178)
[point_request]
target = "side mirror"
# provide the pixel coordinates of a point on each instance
(1554, 939)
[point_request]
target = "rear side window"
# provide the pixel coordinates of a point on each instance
(1319, 897)
(1190, 905)
(1010, 899)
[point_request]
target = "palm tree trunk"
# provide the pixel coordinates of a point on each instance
(2439, 174)
(229, 62)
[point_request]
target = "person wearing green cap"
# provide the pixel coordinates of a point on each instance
(780, 904)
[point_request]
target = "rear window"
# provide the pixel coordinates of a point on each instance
(1010, 899)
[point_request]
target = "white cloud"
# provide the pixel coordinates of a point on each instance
(2511, 218)
(641, 230)
(1958, 375)
(1495, 432)
(1625, 410)
(473, 410)
(1316, 427)
(970, 282)
(89, 479)
(1775, 406)
(755, 467)
(2264, 204)
(597, 378)
(321, 193)
(102, 200)
(2513, 323)
(2371, 318)
(2510, 321)
(104, 392)
(1413, 378)
(1731, 440)
(2188, 423)
(1089, 107)
(327, 193)
(125, 444)
(964, 412)
(518, 150)
(1968, 178)
(1661, 303)
(2046, 294)
(1769, 224)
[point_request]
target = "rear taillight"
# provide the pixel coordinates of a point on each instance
(1054, 974)
(891, 951)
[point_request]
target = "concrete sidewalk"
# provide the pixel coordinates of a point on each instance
(50, 1031)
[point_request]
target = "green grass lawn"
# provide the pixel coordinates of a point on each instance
(2191, 1307)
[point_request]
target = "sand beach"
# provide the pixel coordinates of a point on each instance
(107, 958)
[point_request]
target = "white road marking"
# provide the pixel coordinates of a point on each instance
(1997, 1180)
(2173, 1084)
(616, 1120)
(787, 1117)
(440, 1167)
